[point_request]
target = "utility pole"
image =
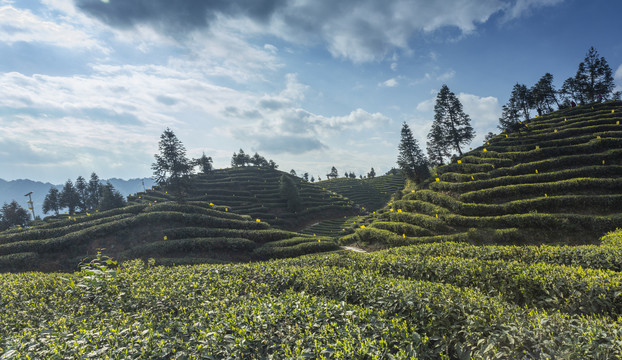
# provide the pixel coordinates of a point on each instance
(31, 205)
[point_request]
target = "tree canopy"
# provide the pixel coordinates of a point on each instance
(171, 164)
(451, 127)
(13, 214)
(411, 160)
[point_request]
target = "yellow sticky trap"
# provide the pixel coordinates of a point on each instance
(613, 111)
(226, 209)
(211, 204)
(362, 226)
(313, 234)
(493, 166)
(526, 125)
(155, 201)
(603, 162)
(318, 240)
(555, 130)
(545, 195)
(537, 147)
(472, 178)
(536, 171)
(506, 135)
(565, 119)
(390, 209)
(437, 216)
(598, 137)
(399, 210)
(485, 150)
(438, 179)
(487, 143)
(258, 220)
(412, 191)
(165, 237)
(459, 161)
(618, 122)
(404, 236)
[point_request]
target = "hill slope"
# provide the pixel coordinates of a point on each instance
(254, 191)
(371, 194)
(557, 179)
(172, 233)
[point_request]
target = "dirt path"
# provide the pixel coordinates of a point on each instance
(353, 248)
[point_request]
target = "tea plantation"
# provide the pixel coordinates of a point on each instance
(509, 252)
(556, 180)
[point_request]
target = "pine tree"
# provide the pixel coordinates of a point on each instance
(204, 163)
(171, 164)
(333, 173)
(453, 124)
(110, 198)
(52, 201)
(81, 187)
(543, 93)
(593, 80)
(411, 160)
(93, 192)
(436, 146)
(69, 197)
(510, 116)
(371, 174)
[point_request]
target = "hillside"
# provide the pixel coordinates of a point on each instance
(556, 180)
(371, 194)
(172, 233)
(254, 191)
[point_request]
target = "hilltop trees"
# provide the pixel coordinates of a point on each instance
(451, 127)
(171, 163)
(13, 214)
(333, 173)
(204, 163)
(593, 80)
(93, 192)
(543, 93)
(411, 160)
(371, 174)
(110, 198)
(69, 197)
(52, 201)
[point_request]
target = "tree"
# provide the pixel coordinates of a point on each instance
(52, 201)
(110, 198)
(436, 146)
(543, 93)
(204, 163)
(272, 165)
(333, 173)
(489, 136)
(69, 197)
(258, 160)
(371, 174)
(13, 214)
(593, 80)
(171, 164)
(521, 98)
(510, 117)
(240, 159)
(289, 193)
(81, 187)
(346, 175)
(305, 176)
(454, 125)
(93, 192)
(352, 175)
(411, 160)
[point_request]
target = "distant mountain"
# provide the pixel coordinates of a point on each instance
(16, 189)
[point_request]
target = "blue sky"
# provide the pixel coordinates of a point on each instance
(89, 85)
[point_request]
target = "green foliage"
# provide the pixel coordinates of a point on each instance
(411, 160)
(612, 238)
(13, 215)
(171, 164)
(451, 127)
(289, 193)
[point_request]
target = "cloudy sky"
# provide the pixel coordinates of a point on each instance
(89, 85)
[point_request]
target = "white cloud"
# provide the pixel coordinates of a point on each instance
(389, 83)
(522, 7)
(618, 74)
(23, 26)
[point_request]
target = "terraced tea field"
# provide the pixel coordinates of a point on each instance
(557, 180)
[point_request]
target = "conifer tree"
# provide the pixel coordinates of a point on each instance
(289, 193)
(451, 127)
(543, 93)
(411, 160)
(52, 201)
(171, 164)
(81, 187)
(593, 80)
(371, 174)
(93, 192)
(437, 148)
(204, 163)
(510, 116)
(69, 197)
